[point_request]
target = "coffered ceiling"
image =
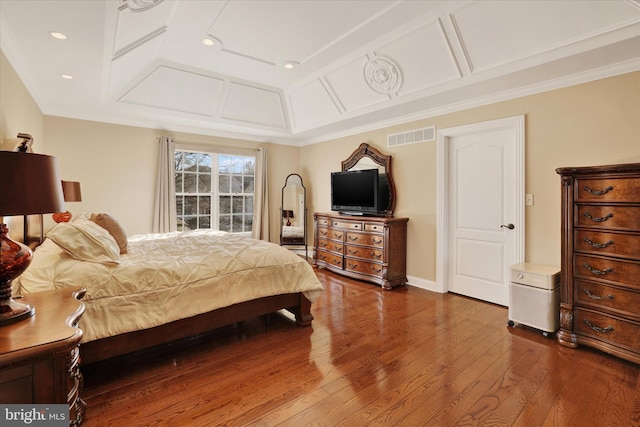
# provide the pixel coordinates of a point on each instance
(356, 64)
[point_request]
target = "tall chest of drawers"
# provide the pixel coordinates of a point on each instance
(366, 248)
(600, 284)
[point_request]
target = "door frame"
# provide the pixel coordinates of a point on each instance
(516, 123)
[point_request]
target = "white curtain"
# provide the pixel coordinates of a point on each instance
(164, 215)
(261, 198)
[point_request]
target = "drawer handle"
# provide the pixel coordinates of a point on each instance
(323, 232)
(375, 255)
(377, 242)
(337, 235)
(353, 251)
(376, 270)
(592, 296)
(596, 271)
(598, 245)
(598, 218)
(323, 244)
(352, 266)
(598, 192)
(598, 328)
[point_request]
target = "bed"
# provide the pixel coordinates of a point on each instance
(146, 290)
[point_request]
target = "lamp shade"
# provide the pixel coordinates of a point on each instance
(287, 214)
(29, 184)
(71, 191)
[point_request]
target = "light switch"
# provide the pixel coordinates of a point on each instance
(528, 199)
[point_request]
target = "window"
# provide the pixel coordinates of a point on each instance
(214, 191)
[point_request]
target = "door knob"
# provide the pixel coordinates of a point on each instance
(509, 226)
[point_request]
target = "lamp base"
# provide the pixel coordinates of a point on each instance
(62, 216)
(14, 260)
(12, 311)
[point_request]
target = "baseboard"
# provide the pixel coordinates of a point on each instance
(428, 285)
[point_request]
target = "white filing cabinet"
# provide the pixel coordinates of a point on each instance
(534, 297)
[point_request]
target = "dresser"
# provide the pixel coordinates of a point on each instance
(39, 355)
(367, 248)
(600, 283)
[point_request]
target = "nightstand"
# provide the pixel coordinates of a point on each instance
(39, 356)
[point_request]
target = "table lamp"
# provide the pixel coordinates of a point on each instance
(288, 214)
(29, 184)
(72, 193)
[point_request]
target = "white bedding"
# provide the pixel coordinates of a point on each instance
(291, 231)
(166, 277)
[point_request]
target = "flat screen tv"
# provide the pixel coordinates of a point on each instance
(359, 192)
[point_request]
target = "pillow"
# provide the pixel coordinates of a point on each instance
(113, 227)
(80, 216)
(86, 241)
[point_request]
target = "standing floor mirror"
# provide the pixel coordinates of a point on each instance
(293, 213)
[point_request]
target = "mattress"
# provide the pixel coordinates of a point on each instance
(169, 276)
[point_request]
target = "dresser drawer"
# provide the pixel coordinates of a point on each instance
(330, 233)
(347, 225)
(330, 245)
(607, 216)
(610, 329)
(620, 301)
(603, 189)
(363, 267)
(365, 239)
(329, 258)
(374, 227)
(364, 252)
(607, 269)
(601, 242)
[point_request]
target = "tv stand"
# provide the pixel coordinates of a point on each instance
(366, 248)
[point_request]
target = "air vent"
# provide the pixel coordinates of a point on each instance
(412, 136)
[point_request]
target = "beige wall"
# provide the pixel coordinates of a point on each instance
(589, 124)
(18, 111)
(116, 166)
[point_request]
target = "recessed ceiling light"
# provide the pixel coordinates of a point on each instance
(66, 76)
(289, 65)
(208, 42)
(57, 35)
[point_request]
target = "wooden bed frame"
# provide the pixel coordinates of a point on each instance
(109, 347)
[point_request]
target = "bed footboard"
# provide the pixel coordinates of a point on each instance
(109, 347)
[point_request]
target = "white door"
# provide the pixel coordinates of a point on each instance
(484, 175)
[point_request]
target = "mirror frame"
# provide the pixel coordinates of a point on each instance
(295, 242)
(365, 150)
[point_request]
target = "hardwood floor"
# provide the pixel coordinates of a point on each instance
(407, 357)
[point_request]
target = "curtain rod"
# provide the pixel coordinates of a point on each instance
(196, 145)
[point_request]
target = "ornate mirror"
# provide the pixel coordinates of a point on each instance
(293, 213)
(367, 157)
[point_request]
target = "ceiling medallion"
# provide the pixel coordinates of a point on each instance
(383, 74)
(140, 5)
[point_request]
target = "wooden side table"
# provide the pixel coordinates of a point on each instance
(39, 356)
